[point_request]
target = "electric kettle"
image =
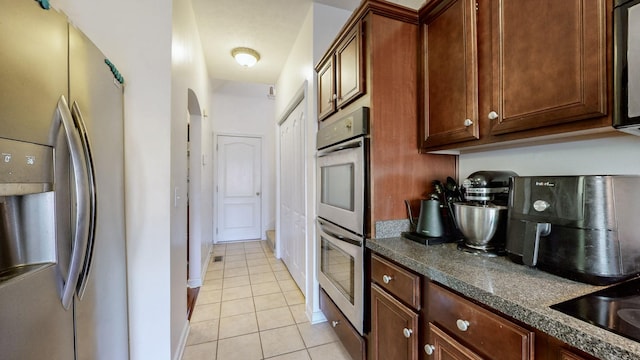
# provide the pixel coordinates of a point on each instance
(430, 218)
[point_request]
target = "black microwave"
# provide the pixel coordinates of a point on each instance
(626, 57)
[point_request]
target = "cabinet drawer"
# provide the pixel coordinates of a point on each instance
(351, 340)
(402, 283)
(484, 332)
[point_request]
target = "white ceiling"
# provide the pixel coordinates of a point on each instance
(268, 26)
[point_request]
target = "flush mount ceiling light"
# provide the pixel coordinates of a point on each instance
(245, 56)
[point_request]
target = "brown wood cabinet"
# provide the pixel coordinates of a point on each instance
(348, 335)
(341, 73)
(402, 283)
(376, 65)
(349, 67)
(481, 331)
(515, 70)
(550, 348)
(449, 71)
(569, 355)
(394, 327)
(442, 324)
(326, 89)
(549, 63)
(395, 305)
(441, 346)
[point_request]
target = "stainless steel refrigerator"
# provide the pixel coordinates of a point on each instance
(62, 232)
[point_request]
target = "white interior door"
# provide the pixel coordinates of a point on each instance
(239, 188)
(293, 235)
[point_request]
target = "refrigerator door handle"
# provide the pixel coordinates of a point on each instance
(81, 185)
(86, 146)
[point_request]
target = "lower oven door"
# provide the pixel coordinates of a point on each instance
(341, 270)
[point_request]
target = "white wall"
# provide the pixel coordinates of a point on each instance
(320, 27)
(607, 156)
(137, 37)
(188, 74)
(244, 109)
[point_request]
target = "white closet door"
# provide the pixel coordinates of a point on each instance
(293, 236)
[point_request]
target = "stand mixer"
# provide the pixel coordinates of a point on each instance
(482, 218)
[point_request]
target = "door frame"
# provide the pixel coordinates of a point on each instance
(216, 169)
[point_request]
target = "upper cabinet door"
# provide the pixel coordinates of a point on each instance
(549, 63)
(349, 67)
(33, 69)
(326, 90)
(449, 74)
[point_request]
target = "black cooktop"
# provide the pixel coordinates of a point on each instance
(616, 308)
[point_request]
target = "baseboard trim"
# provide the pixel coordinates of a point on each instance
(194, 283)
(316, 317)
(182, 344)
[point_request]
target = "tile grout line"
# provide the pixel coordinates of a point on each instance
(275, 266)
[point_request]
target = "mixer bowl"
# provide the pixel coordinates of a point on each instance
(481, 225)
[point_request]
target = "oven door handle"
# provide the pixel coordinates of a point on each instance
(337, 233)
(351, 145)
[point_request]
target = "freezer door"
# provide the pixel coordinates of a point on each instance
(33, 323)
(33, 69)
(101, 304)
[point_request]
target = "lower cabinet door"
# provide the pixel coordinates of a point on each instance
(443, 347)
(394, 327)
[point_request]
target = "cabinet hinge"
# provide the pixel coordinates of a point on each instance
(477, 7)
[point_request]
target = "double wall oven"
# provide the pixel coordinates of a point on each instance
(342, 195)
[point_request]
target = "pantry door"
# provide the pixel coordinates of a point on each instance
(239, 188)
(293, 234)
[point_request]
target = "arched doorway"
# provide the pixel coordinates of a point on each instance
(198, 246)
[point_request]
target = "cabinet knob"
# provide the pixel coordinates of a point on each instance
(468, 122)
(334, 97)
(407, 332)
(429, 349)
(462, 325)
(386, 278)
(493, 115)
(335, 323)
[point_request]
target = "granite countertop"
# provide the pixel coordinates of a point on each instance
(518, 291)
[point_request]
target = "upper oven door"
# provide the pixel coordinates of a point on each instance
(341, 184)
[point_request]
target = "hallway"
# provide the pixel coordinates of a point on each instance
(250, 308)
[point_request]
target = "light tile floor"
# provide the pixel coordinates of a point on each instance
(250, 308)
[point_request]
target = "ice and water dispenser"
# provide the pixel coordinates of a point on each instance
(27, 208)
